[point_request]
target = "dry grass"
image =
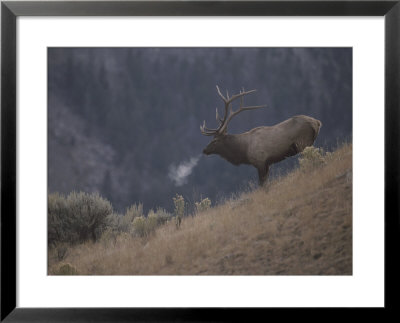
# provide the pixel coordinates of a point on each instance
(301, 224)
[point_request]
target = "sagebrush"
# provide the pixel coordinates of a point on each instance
(76, 218)
(313, 158)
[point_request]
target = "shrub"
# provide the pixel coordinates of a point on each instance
(144, 226)
(114, 221)
(151, 222)
(162, 216)
(203, 205)
(311, 158)
(58, 219)
(123, 223)
(89, 213)
(76, 218)
(134, 211)
(139, 226)
(179, 203)
(178, 221)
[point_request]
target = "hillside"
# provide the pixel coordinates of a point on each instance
(301, 224)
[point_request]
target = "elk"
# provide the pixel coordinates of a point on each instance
(261, 146)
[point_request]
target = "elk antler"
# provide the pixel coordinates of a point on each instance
(229, 113)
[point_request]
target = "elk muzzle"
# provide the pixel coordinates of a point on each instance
(206, 151)
(211, 147)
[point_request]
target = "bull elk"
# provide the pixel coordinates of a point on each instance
(261, 146)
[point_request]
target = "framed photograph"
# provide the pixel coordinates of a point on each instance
(191, 160)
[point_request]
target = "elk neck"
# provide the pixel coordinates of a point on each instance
(234, 149)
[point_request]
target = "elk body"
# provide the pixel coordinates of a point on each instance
(262, 146)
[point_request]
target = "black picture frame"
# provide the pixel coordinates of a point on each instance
(10, 10)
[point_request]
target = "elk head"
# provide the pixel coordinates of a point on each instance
(219, 143)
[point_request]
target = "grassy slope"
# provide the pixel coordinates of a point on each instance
(302, 224)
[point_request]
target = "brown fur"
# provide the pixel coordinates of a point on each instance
(264, 146)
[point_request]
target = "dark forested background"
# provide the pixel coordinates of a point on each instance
(125, 121)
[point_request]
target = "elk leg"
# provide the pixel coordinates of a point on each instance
(263, 174)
